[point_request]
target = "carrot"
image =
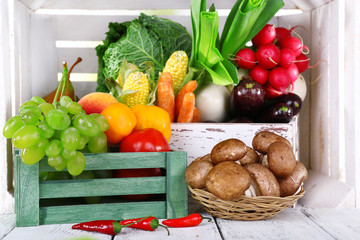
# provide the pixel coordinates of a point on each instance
(165, 94)
(187, 108)
(196, 117)
(189, 87)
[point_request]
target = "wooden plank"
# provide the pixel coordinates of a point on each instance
(26, 193)
(53, 232)
(288, 224)
(7, 223)
(339, 223)
(117, 211)
(102, 161)
(102, 187)
(176, 187)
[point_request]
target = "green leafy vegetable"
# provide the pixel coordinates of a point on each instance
(148, 38)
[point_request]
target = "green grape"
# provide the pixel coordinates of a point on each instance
(34, 109)
(76, 165)
(64, 100)
(45, 108)
(30, 118)
(58, 119)
(70, 138)
(87, 125)
(101, 120)
(68, 154)
(28, 103)
(96, 144)
(73, 108)
(37, 100)
(45, 130)
(83, 141)
(56, 161)
(54, 148)
(26, 136)
(61, 166)
(35, 153)
(12, 125)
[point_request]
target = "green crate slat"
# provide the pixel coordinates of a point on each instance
(102, 187)
(95, 161)
(26, 193)
(110, 211)
(177, 200)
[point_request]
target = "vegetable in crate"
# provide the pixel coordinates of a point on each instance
(148, 38)
(213, 55)
(177, 66)
(59, 131)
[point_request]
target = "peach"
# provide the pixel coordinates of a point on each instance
(95, 102)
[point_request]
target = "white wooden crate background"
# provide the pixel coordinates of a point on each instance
(37, 35)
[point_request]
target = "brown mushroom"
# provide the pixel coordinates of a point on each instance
(231, 149)
(263, 139)
(228, 180)
(205, 157)
(263, 180)
(290, 184)
(251, 156)
(196, 172)
(281, 159)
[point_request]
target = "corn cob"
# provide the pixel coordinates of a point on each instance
(177, 65)
(125, 69)
(138, 84)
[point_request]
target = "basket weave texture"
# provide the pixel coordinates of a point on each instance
(246, 208)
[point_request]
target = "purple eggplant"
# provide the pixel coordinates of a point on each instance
(291, 99)
(278, 113)
(247, 99)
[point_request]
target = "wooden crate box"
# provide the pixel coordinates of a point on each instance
(29, 190)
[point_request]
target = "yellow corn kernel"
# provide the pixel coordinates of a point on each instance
(124, 71)
(138, 82)
(177, 65)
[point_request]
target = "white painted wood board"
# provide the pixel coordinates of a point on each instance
(339, 223)
(288, 224)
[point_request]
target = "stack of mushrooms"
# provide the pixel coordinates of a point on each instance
(233, 169)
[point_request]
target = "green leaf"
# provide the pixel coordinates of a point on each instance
(139, 45)
(172, 35)
(197, 6)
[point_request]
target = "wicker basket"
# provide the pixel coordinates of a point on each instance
(246, 208)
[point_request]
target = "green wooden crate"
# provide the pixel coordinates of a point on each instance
(29, 190)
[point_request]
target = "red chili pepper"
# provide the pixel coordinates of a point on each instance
(191, 220)
(149, 224)
(110, 227)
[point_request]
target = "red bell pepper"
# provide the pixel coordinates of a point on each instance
(191, 220)
(145, 140)
(148, 224)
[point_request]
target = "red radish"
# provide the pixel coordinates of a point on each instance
(302, 62)
(245, 58)
(282, 33)
(270, 92)
(268, 55)
(293, 72)
(293, 43)
(259, 74)
(287, 57)
(266, 35)
(279, 79)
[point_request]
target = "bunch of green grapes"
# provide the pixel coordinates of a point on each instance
(62, 132)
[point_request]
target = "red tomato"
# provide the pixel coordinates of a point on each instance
(145, 140)
(141, 172)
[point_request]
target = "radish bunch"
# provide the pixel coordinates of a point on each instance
(275, 59)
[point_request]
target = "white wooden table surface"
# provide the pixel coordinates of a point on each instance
(292, 223)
